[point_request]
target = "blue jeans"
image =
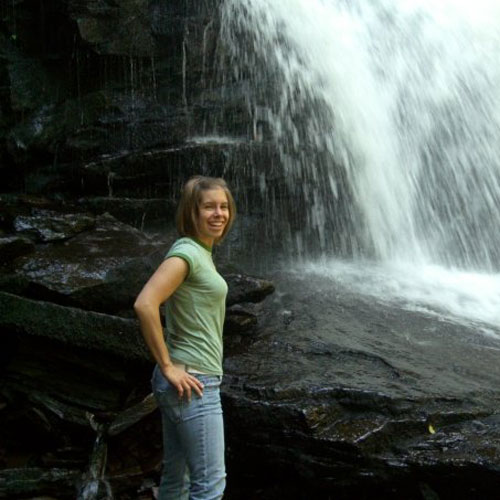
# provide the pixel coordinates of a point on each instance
(193, 440)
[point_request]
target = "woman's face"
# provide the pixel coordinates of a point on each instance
(213, 215)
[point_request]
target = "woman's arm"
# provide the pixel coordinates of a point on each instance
(167, 278)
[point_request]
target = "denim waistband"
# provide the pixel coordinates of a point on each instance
(206, 378)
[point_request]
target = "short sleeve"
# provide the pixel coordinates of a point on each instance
(185, 251)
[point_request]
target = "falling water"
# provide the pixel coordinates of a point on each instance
(386, 117)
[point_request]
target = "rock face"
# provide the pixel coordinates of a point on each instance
(112, 106)
(362, 400)
(105, 109)
(101, 98)
(325, 393)
(101, 269)
(74, 393)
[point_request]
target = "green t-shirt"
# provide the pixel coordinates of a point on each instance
(195, 311)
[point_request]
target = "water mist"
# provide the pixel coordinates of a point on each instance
(386, 116)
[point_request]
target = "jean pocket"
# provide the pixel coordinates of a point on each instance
(170, 405)
(159, 383)
(166, 396)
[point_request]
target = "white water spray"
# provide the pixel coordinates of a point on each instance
(385, 111)
(386, 116)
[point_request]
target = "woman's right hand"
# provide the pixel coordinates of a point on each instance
(183, 381)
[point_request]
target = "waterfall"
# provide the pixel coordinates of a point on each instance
(386, 116)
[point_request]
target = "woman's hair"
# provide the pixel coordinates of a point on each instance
(188, 209)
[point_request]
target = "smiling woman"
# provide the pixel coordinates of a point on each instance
(189, 356)
(206, 210)
(213, 215)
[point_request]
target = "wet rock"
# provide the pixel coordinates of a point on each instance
(339, 402)
(132, 415)
(72, 326)
(358, 397)
(14, 205)
(328, 395)
(14, 246)
(242, 313)
(100, 123)
(244, 288)
(20, 482)
(142, 213)
(66, 406)
(45, 225)
(14, 284)
(240, 320)
(121, 29)
(133, 74)
(153, 173)
(102, 270)
(32, 86)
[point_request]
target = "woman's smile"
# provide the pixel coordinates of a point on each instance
(213, 215)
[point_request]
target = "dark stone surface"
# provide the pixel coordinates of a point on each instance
(143, 213)
(111, 334)
(79, 379)
(14, 246)
(331, 392)
(104, 110)
(327, 394)
(65, 404)
(102, 269)
(354, 399)
(21, 482)
(240, 319)
(96, 78)
(246, 289)
(45, 225)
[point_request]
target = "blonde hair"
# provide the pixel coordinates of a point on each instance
(188, 209)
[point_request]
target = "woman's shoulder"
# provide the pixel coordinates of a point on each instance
(184, 246)
(186, 249)
(185, 243)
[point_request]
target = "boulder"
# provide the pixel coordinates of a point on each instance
(142, 213)
(46, 225)
(14, 246)
(240, 318)
(20, 482)
(102, 269)
(72, 326)
(243, 288)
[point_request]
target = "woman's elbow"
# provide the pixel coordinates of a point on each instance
(141, 305)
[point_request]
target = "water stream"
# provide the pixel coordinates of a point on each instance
(386, 115)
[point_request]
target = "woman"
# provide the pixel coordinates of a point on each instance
(188, 372)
